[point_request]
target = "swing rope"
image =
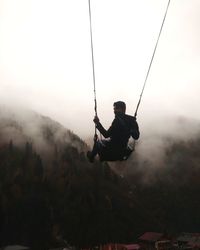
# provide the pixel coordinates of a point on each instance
(148, 71)
(152, 59)
(93, 69)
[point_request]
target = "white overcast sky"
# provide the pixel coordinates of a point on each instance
(45, 58)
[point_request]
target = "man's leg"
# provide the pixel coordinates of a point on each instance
(94, 152)
(96, 149)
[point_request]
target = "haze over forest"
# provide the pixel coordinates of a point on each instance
(45, 177)
(21, 125)
(151, 146)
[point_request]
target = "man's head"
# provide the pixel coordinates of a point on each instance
(119, 107)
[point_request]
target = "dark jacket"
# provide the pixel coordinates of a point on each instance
(122, 127)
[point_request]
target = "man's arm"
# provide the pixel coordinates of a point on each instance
(102, 130)
(135, 133)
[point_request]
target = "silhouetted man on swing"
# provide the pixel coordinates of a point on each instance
(115, 148)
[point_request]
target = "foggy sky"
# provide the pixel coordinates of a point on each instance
(45, 59)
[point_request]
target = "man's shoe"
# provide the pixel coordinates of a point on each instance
(90, 156)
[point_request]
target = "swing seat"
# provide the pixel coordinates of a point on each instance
(115, 155)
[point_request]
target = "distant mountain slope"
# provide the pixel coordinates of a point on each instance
(50, 192)
(43, 133)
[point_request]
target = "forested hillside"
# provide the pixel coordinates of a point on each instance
(70, 199)
(169, 191)
(50, 194)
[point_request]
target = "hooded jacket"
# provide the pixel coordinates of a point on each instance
(122, 127)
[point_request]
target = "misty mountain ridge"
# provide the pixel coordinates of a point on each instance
(159, 134)
(62, 198)
(167, 151)
(45, 135)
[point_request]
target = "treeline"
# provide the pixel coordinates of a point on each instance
(68, 200)
(45, 204)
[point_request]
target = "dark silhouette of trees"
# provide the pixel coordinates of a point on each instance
(88, 204)
(68, 199)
